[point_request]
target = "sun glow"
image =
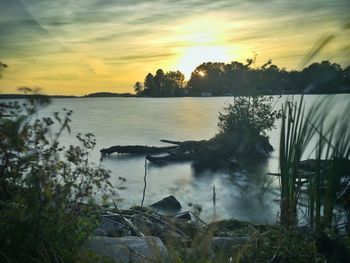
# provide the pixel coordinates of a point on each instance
(204, 40)
(196, 55)
(201, 73)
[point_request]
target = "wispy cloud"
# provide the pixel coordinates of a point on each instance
(110, 41)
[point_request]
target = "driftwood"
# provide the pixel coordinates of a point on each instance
(142, 220)
(172, 157)
(205, 152)
(184, 151)
(128, 222)
(136, 149)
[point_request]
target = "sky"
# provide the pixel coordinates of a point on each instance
(76, 47)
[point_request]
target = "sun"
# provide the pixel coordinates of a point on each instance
(196, 55)
(201, 73)
(201, 39)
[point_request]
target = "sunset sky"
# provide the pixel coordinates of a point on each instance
(83, 46)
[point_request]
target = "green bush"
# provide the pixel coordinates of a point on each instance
(46, 189)
(255, 115)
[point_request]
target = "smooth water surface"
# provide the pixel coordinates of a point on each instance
(246, 195)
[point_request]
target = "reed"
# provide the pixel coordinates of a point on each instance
(331, 147)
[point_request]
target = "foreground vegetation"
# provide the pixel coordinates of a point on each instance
(45, 188)
(330, 140)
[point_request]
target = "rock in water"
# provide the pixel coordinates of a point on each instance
(169, 203)
(129, 249)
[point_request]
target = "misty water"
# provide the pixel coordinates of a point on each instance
(248, 194)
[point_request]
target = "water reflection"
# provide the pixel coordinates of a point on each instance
(244, 193)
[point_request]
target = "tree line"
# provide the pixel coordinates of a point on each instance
(162, 84)
(236, 78)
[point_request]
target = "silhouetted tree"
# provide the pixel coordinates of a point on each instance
(159, 83)
(237, 79)
(272, 81)
(208, 77)
(162, 84)
(174, 83)
(138, 87)
(321, 77)
(346, 77)
(148, 85)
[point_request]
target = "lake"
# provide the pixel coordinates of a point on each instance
(249, 195)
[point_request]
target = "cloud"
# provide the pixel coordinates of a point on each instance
(99, 36)
(146, 57)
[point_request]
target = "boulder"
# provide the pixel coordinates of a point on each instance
(129, 249)
(169, 203)
(110, 227)
(99, 232)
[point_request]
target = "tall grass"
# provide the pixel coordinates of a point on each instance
(331, 147)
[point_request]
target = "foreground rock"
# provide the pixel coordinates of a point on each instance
(129, 249)
(222, 241)
(110, 226)
(170, 204)
(162, 219)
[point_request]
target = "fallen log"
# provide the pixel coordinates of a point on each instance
(172, 157)
(189, 147)
(136, 149)
(218, 150)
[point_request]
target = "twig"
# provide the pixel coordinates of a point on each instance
(128, 222)
(194, 216)
(274, 174)
(214, 195)
(171, 225)
(155, 218)
(145, 184)
(274, 255)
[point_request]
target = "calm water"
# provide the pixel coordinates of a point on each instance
(246, 195)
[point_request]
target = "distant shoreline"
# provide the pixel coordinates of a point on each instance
(129, 95)
(92, 95)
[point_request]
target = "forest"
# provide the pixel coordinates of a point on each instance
(236, 78)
